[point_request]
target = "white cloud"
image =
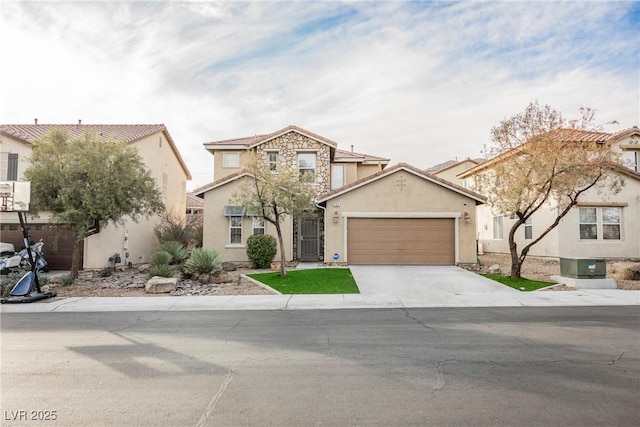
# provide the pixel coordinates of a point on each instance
(418, 82)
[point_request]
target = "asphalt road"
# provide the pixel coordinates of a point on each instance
(458, 367)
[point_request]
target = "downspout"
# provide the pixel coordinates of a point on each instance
(324, 243)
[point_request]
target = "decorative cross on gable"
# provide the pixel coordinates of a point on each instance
(401, 182)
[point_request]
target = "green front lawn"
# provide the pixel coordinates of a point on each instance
(521, 284)
(314, 281)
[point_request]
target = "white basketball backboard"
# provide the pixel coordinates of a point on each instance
(15, 196)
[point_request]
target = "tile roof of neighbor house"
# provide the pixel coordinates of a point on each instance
(252, 141)
(128, 133)
(451, 163)
(345, 156)
(406, 167)
(566, 135)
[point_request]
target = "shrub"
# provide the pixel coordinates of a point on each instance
(203, 262)
(160, 270)
(176, 249)
(8, 281)
(261, 249)
(175, 228)
(106, 271)
(160, 258)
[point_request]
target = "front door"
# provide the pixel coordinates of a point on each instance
(308, 239)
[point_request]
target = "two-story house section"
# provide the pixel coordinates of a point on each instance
(602, 225)
(367, 212)
(135, 242)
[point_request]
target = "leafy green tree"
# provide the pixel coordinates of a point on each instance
(274, 195)
(541, 158)
(87, 182)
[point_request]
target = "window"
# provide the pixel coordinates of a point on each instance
(528, 229)
(611, 223)
(257, 224)
(631, 159)
(497, 228)
(588, 224)
(165, 185)
(307, 166)
(272, 158)
(9, 166)
(231, 160)
(235, 230)
(337, 176)
(603, 222)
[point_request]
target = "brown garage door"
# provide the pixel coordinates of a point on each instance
(401, 241)
(58, 242)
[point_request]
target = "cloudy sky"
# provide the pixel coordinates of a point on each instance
(418, 82)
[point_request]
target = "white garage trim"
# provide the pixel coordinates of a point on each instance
(455, 215)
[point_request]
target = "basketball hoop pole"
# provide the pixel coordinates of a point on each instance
(27, 244)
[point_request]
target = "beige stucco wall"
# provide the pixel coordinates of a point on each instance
(216, 226)
(367, 170)
(138, 240)
(401, 194)
(451, 174)
(564, 240)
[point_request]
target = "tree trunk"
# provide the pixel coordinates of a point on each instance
(516, 263)
(75, 258)
(283, 272)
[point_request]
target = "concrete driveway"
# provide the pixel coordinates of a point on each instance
(426, 283)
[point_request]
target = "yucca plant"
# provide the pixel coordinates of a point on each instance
(161, 270)
(177, 251)
(203, 263)
(161, 258)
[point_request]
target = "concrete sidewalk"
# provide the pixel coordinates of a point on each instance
(592, 297)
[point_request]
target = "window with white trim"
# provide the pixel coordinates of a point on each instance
(9, 166)
(528, 229)
(337, 176)
(272, 159)
(631, 160)
(498, 233)
(307, 166)
(235, 230)
(230, 160)
(600, 223)
(257, 225)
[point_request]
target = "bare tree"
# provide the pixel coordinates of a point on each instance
(538, 158)
(274, 195)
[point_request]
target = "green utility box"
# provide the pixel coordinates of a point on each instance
(583, 268)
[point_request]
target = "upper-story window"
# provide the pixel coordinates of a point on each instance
(631, 159)
(528, 229)
(337, 176)
(498, 230)
(307, 166)
(231, 160)
(9, 166)
(272, 159)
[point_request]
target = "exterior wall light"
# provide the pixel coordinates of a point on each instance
(336, 217)
(467, 218)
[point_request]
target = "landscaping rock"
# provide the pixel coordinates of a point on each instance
(161, 285)
(494, 269)
(144, 268)
(229, 266)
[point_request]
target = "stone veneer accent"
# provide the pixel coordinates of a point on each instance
(290, 144)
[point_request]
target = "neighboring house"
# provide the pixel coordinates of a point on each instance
(602, 225)
(367, 213)
(450, 170)
(135, 242)
(195, 209)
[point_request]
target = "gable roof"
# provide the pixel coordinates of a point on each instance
(342, 156)
(253, 141)
(28, 134)
(407, 168)
(441, 167)
(199, 192)
(564, 135)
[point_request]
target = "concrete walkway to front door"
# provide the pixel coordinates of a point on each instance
(426, 283)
